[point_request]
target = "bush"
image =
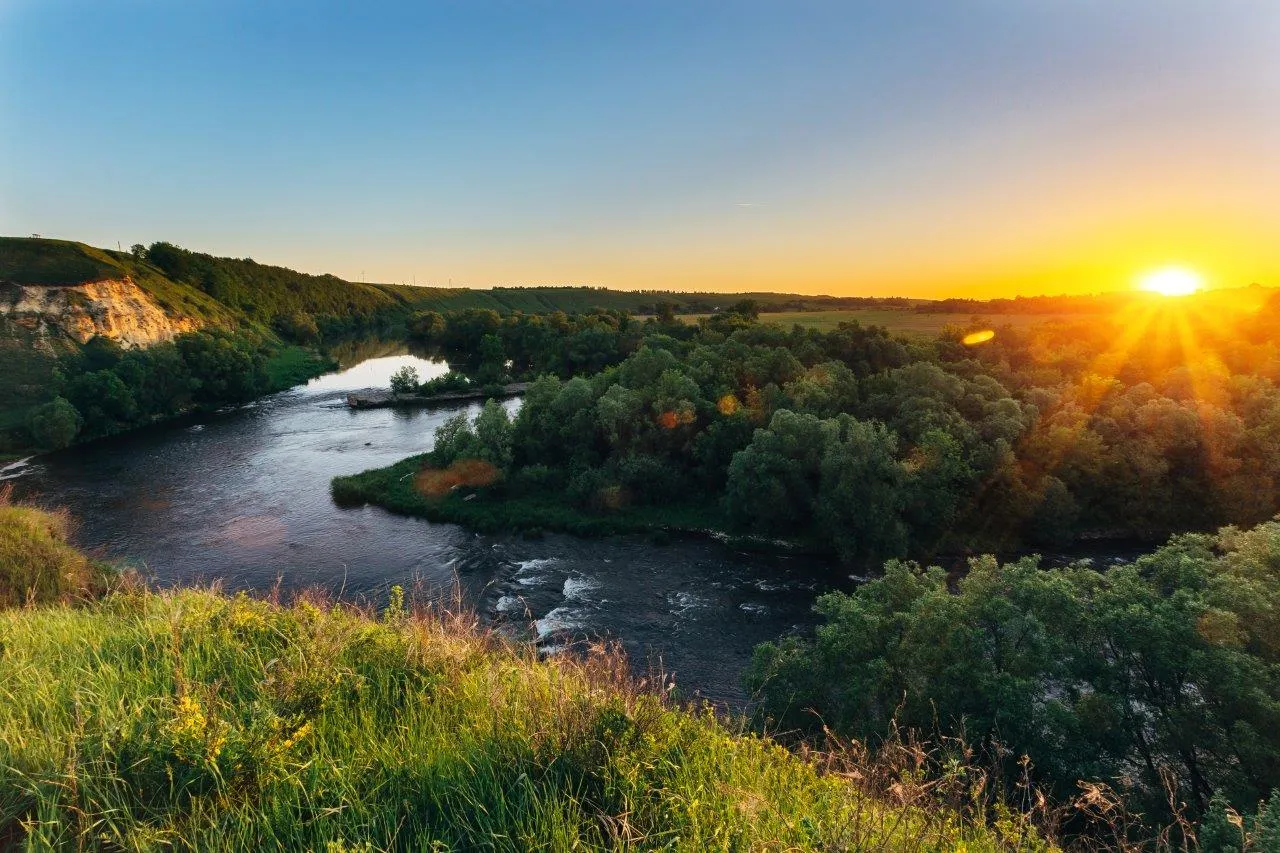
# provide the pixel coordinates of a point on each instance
(451, 382)
(37, 564)
(594, 489)
(537, 479)
(1170, 662)
(55, 424)
(405, 380)
(649, 480)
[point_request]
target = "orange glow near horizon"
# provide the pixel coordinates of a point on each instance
(1172, 281)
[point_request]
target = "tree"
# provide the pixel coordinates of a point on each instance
(773, 482)
(493, 434)
(103, 400)
(427, 326)
(861, 493)
(55, 424)
(1166, 662)
(298, 326)
(405, 380)
(227, 370)
(492, 360)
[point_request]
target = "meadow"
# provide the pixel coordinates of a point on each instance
(192, 720)
(910, 323)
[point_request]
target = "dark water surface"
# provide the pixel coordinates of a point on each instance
(243, 498)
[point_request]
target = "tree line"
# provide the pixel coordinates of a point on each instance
(1159, 678)
(104, 389)
(872, 447)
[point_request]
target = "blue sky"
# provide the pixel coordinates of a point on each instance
(925, 147)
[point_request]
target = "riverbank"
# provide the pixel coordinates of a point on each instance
(194, 720)
(287, 366)
(295, 365)
(389, 399)
(493, 510)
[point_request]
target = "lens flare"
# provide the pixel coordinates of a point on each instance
(1172, 281)
(975, 338)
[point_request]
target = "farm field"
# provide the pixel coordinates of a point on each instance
(904, 322)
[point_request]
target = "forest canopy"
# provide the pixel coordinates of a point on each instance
(871, 447)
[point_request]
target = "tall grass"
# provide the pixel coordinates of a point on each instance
(37, 562)
(191, 720)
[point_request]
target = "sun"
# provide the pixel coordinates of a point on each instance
(1172, 281)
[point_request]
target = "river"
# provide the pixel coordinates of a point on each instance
(241, 498)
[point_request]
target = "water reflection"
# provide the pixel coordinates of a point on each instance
(243, 498)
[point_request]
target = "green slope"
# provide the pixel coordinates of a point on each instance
(190, 720)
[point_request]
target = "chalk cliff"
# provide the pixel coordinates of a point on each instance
(113, 308)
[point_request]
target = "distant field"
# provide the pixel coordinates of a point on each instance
(909, 323)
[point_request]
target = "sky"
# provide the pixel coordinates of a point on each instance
(925, 148)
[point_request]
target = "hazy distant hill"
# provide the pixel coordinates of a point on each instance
(263, 293)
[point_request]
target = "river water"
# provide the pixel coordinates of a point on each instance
(242, 498)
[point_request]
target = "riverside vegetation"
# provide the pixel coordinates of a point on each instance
(259, 327)
(858, 444)
(187, 719)
(1159, 679)
(1144, 698)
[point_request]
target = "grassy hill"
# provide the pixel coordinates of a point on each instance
(263, 291)
(275, 305)
(38, 261)
(31, 358)
(192, 720)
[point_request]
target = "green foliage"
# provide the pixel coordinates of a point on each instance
(447, 383)
(52, 262)
(37, 563)
(199, 722)
(55, 424)
(297, 326)
(107, 390)
(493, 435)
(288, 366)
(870, 448)
(1218, 832)
(488, 438)
(1168, 662)
(302, 307)
(104, 401)
(405, 380)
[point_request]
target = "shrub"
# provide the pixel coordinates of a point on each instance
(37, 564)
(55, 424)
(453, 381)
(536, 479)
(404, 380)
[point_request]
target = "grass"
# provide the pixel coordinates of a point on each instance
(191, 720)
(30, 356)
(398, 488)
(37, 562)
(40, 261)
(912, 324)
(293, 365)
